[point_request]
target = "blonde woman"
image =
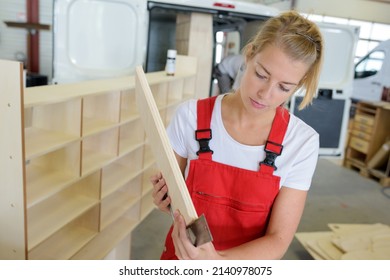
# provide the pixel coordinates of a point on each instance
(251, 178)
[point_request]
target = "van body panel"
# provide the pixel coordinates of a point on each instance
(97, 38)
(372, 74)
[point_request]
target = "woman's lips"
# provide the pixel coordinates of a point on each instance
(257, 105)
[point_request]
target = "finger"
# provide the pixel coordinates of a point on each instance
(176, 232)
(160, 189)
(187, 247)
(164, 205)
(160, 195)
(155, 178)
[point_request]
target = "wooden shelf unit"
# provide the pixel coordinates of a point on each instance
(370, 129)
(76, 163)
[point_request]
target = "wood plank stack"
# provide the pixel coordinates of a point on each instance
(348, 242)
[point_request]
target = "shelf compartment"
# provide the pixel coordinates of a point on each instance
(121, 171)
(107, 239)
(147, 204)
(131, 136)
(68, 240)
(129, 110)
(47, 174)
(99, 150)
(115, 205)
(100, 112)
(160, 94)
(175, 89)
(148, 156)
(151, 170)
(189, 88)
(51, 127)
(65, 206)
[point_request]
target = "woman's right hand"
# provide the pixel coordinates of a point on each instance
(160, 193)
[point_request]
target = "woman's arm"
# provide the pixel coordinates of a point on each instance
(286, 214)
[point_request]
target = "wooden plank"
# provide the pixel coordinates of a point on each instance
(307, 239)
(12, 180)
(162, 149)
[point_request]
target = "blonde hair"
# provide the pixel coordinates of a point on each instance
(300, 39)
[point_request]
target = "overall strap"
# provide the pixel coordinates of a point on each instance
(273, 147)
(203, 133)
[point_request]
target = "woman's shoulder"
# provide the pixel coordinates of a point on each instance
(299, 128)
(187, 108)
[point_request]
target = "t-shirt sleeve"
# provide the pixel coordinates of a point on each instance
(302, 169)
(179, 128)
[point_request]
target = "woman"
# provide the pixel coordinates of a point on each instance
(251, 179)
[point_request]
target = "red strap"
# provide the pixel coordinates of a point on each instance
(204, 111)
(276, 136)
(278, 130)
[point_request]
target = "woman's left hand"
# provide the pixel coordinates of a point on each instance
(184, 249)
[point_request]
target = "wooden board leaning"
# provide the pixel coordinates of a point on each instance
(153, 125)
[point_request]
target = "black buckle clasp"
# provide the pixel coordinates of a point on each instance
(270, 159)
(270, 155)
(203, 136)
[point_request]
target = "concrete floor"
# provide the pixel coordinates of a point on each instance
(337, 195)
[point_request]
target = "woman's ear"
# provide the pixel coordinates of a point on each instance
(249, 51)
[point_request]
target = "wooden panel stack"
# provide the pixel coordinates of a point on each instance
(368, 134)
(348, 242)
(76, 163)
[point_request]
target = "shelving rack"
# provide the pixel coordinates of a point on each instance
(75, 162)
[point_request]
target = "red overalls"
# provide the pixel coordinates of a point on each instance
(236, 202)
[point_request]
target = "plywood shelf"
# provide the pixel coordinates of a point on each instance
(107, 239)
(51, 172)
(77, 162)
(131, 136)
(68, 240)
(115, 205)
(43, 183)
(100, 112)
(120, 172)
(93, 126)
(50, 127)
(64, 208)
(128, 110)
(40, 141)
(99, 150)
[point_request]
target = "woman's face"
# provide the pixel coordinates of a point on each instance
(269, 80)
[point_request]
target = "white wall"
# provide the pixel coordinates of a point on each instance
(13, 41)
(354, 9)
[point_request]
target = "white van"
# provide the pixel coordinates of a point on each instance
(372, 74)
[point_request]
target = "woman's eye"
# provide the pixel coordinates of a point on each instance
(260, 76)
(284, 89)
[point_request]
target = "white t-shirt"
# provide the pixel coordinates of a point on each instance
(295, 166)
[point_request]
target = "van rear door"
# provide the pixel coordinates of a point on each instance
(372, 74)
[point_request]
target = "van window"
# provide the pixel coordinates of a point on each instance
(369, 65)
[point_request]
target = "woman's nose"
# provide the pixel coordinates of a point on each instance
(265, 91)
